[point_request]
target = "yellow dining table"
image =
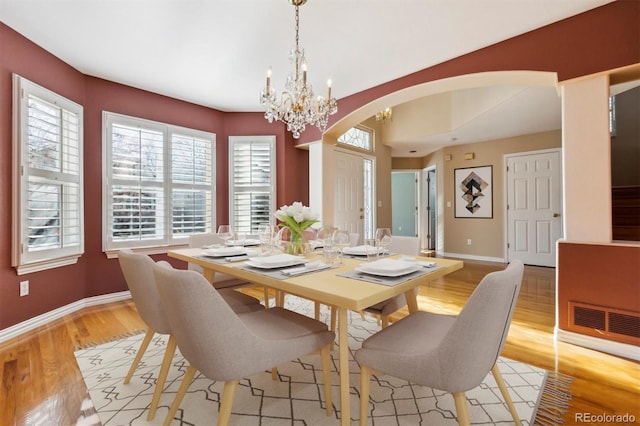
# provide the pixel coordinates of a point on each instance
(328, 288)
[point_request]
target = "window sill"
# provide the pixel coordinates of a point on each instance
(113, 254)
(46, 264)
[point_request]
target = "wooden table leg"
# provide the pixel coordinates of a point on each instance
(412, 300)
(343, 343)
(209, 274)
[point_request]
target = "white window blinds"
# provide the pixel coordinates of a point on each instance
(192, 180)
(48, 211)
(160, 181)
(252, 182)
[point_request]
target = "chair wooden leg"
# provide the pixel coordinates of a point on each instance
(143, 347)
(505, 393)
(162, 377)
(332, 325)
(365, 382)
(184, 386)
(274, 373)
(385, 321)
(460, 400)
(228, 394)
(325, 353)
(266, 297)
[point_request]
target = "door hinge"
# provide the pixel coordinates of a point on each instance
(508, 245)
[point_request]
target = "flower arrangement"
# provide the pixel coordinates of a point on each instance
(296, 218)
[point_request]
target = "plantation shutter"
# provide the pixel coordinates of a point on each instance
(192, 184)
(54, 176)
(137, 204)
(252, 177)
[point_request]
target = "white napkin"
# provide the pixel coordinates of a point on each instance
(309, 267)
(418, 262)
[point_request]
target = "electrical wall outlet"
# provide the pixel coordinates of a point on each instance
(468, 241)
(24, 288)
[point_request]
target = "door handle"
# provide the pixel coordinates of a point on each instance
(361, 216)
(556, 215)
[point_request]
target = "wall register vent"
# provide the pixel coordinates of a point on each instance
(607, 323)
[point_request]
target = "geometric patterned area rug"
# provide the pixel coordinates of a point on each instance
(297, 397)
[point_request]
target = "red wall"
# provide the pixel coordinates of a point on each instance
(597, 40)
(599, 275)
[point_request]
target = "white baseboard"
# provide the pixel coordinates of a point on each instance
(32, 323)
(472, 257)
(614, 348)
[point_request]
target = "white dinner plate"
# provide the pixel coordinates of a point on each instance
(362, 250)
(225, 251)
(388, 268)
(275, 261)
(245, 242)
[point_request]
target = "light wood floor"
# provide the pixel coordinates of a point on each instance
(41, 384)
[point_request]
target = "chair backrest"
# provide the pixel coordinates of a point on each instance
(354, 239)
(138, 273)
(209, 334)
(476, 338)
(201, 240)
(405, 245)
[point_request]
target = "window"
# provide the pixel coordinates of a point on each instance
(252, 182)
(358, 137)
(159, 181)
(612, 116)
(47, 197)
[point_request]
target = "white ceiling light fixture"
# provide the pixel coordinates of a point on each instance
(297, 105)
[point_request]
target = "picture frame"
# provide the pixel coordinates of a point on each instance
(473, 192)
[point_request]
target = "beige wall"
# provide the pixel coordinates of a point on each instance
(587, 160)
(487, 235)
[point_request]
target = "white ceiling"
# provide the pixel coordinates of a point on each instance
(216, 52)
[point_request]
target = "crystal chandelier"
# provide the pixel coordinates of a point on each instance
(297, 105)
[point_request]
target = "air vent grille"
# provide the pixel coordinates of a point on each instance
(592, 318)
(607, 323)
(624, 324)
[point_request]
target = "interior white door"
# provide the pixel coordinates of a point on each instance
(349, 192)
(534, 206)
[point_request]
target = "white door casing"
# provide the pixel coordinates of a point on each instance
(349, 192)
(534, 206)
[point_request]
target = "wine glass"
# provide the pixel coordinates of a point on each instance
(342, 240)
(225, 232)
(266, 233)
(383, 237)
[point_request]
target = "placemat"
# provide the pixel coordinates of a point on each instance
(388, 281)
(278, 272)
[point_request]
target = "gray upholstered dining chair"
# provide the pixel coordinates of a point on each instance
(450, 353)
(225, 346)
(138, 273)
(399, 245)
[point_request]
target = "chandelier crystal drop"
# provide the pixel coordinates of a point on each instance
(297, 105)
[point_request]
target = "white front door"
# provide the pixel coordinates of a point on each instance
(349, 193)
(534, 206)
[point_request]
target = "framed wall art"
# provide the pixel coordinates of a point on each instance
(473, 192)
